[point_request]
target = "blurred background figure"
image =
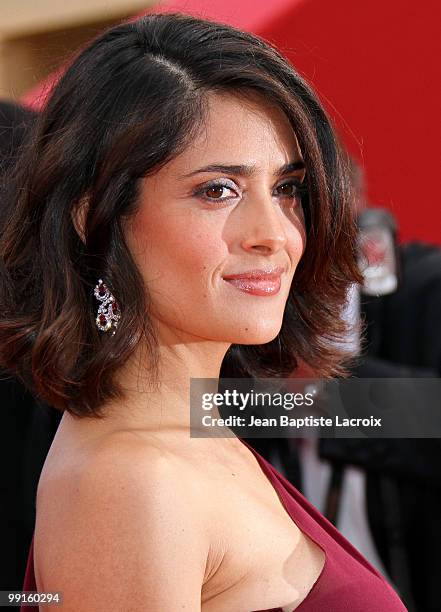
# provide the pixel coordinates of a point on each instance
(15, 124)
(27, 427)
(400, 305)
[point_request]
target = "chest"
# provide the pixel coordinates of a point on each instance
(259, 558)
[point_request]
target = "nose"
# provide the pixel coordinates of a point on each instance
(262, 225)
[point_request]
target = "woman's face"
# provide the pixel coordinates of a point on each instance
(196, 225)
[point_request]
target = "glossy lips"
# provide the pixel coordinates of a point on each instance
(257, 282)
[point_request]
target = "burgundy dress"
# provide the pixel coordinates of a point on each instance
(347, 583)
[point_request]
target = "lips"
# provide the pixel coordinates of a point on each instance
(260, 274)
(257, 282)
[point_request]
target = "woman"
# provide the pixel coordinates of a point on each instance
(174, 159)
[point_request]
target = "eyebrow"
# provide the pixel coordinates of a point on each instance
(248, 170)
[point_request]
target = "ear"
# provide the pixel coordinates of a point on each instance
(79, 216)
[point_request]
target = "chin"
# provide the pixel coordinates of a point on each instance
(257, 340)
(255, 334)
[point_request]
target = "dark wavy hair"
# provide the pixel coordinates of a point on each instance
(129, 103)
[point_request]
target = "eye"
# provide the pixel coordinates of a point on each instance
(215, 191)
(292, 189)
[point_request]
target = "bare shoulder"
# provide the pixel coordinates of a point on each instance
(121, 529)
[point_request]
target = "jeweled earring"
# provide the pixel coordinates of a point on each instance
(108, 311)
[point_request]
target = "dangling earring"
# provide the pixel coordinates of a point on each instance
(108, 311)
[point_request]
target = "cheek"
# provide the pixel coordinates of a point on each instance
(194, 257)
(296, 238)
(176, 249)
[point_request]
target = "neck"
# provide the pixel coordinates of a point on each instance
(165, 404)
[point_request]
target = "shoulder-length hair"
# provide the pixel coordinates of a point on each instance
(129, 103)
